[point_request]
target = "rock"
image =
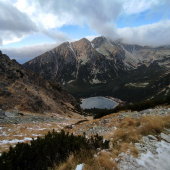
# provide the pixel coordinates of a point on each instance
(165, 137)
(168, 130)
(145, 139)
(122, 154)
(2, 113)
(117, 159)
(12, 113)
(152, 137)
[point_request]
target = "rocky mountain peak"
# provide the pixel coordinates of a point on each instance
(99, 41)
(81, 44)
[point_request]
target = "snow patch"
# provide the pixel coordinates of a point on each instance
(109, 42)
(14, 141)
(70, 47)
(158, 161)
(92, 45)
(41, 129)
(79, 167)
(70, 81)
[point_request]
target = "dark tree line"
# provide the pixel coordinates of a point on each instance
(98, 113)
(54, 148)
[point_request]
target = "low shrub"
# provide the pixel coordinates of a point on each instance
(49, 151)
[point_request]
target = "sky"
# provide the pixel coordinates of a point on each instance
(29, 28)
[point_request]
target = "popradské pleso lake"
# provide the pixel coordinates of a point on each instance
(97, 102)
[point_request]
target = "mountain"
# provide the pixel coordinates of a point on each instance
(82, 61)
(26, 91)
(104, 67)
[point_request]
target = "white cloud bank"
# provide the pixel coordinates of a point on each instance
(26, 53)
(156, 34)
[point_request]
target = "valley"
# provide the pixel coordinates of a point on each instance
(84, 85)
(55, 94)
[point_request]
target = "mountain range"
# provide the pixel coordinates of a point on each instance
(107, 67)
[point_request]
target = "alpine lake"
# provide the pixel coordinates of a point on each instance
(97, 102)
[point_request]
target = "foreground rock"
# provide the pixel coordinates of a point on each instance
(154, 157)
(13, 117)
(165, 137)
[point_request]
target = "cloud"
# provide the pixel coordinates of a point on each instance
(12, 19)
(25, 53)
(14, 24)
(20, 18)
(98, 15)
(90, 38)
(60, 36)
(135, 7)
(156, 34)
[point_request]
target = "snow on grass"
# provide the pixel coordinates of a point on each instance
(4, 134)
(18, 135)
(41, 129)
(158, 161)
(60, 127)
(14, 141)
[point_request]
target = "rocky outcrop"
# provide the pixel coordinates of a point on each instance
(165, 137)
(15, 117)
(27, 91)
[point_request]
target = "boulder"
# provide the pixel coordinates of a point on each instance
(168, 130)
(145, 139)
(152, 137)
(13, 113)
(165, 137)
(2, 113)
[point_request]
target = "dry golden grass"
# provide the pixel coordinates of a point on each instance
(106, 162)
(69, 165)
(90, 163)
(154, 124)
(131, 130)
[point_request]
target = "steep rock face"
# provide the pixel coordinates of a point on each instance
(28, 91)
(115, 51)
